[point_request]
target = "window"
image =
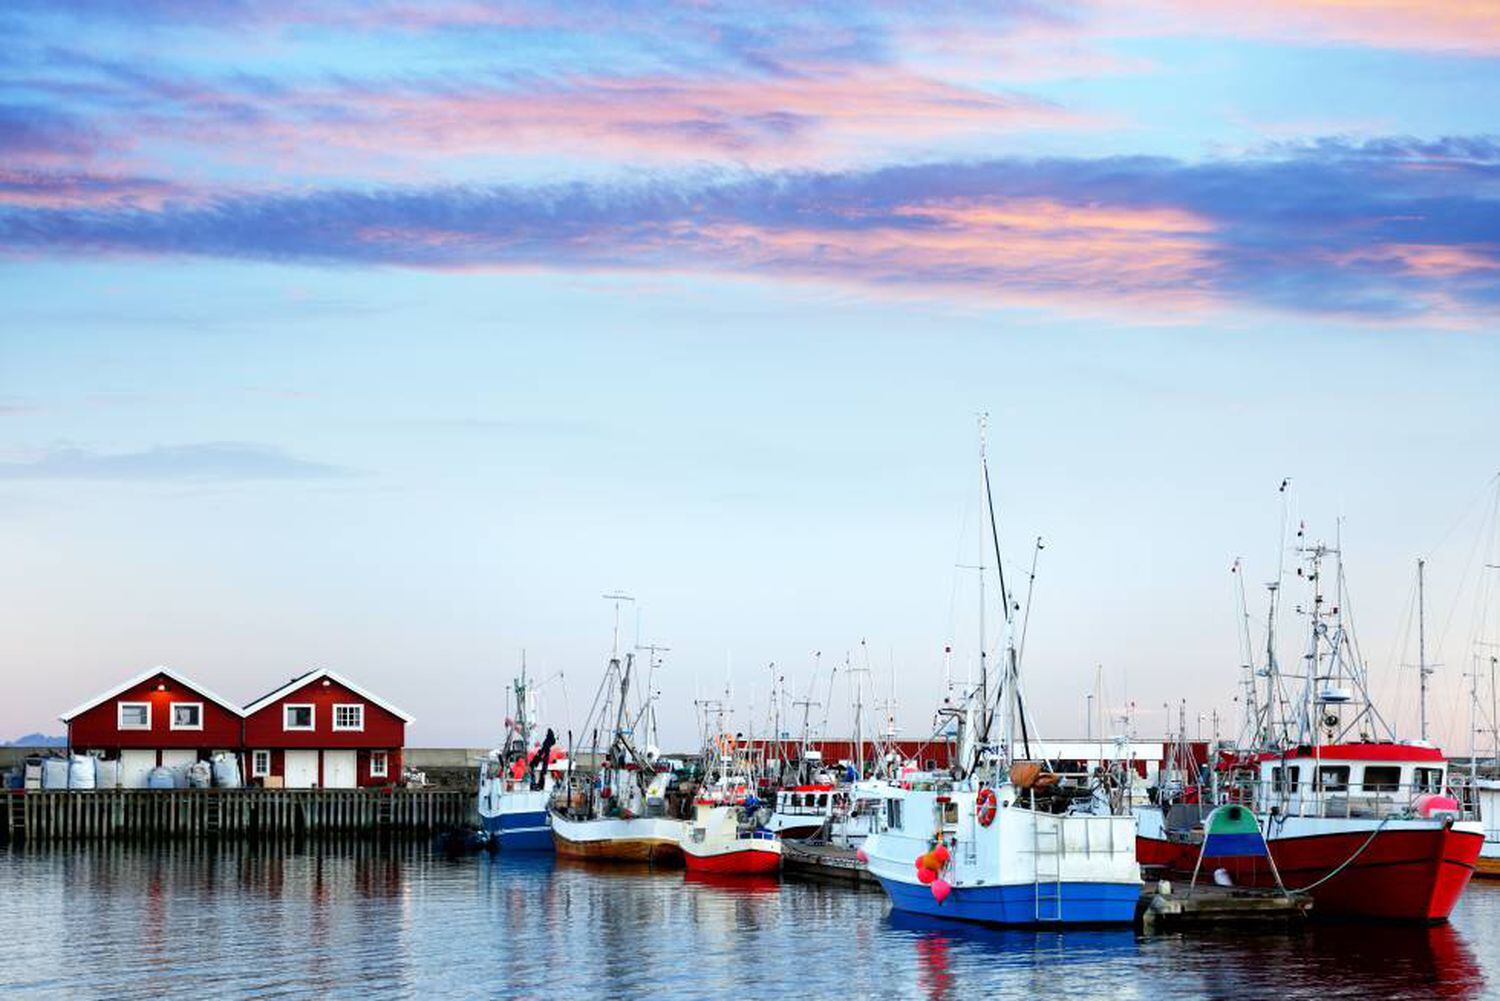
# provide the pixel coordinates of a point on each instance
(296, 716)
(187, 715)
(260, 764)
(133, 715)
(1284, 779)
(1429, 779)
(379, 764)
(1334, 778)
(347, 716)
(1382, 778)
(823, 799)
(893, 813)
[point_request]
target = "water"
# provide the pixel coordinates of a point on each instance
(370, 922)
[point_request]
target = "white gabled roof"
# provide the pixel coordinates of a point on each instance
(147, 676)
(303, 680)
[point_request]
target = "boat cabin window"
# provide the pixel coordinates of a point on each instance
(1334, 778)
(1285, 779)
(893, 813)
(1382, 778)
(1429, 780)
(823, 799)
(950, 813)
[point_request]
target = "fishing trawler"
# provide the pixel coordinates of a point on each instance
(516, 781)
(1002, 839)
(1362, 821)
(622, 814)
(723, 837)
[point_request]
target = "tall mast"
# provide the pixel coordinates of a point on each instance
(1422, 669)
(984, 674)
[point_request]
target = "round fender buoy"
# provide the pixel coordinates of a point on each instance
(941, 889)
(926, 876)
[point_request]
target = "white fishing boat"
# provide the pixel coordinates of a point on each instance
(622, 814)
(1003, 840)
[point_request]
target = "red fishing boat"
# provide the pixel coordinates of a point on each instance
(1367, 825)
(722, 838)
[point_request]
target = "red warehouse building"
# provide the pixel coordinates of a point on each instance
(157, 718)
(322, 731)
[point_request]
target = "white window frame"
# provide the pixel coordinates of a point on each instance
(312, 715)
(120, 723)
(256, 771)
(172, 715)
(384, 771)
(349, 705)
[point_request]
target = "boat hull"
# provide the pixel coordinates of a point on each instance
(1017, 905)
(747, 860)
(1398, 874)
(650, 840)
(520, 831)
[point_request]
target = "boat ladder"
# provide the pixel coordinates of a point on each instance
(213, 815)
(1046, 853)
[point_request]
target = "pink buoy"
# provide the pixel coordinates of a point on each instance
(860, 854)
(926, 876)
(940, 889)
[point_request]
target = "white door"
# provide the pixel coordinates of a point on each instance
(338, 770)
(177, 757)
(135, 767)
(300, 769)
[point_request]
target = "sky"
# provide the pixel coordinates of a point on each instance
(389, 337)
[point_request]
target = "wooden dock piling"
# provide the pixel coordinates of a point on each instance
(118, 814)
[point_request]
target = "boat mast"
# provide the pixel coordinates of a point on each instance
(1423, 671)
(984, 673)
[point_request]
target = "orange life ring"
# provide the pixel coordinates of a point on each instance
(984, 807)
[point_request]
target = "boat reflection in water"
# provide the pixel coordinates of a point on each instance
(378, 921)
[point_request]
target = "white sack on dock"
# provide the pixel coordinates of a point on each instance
(226, 771)
(161, 777)
(199, 775)
(106, 774)
(54, 773)
(81, 771)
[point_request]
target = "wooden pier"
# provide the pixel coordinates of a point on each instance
(1167, 906)
(156, 814)
(826, 862)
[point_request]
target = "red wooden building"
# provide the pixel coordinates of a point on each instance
(156, 718)
(320, 730)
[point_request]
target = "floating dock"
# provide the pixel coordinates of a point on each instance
(825, 862)
(123, 814)
(1167, 906)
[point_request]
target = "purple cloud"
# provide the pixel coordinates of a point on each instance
(1392, 228)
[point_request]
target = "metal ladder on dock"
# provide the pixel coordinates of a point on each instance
(213, 815)
(1046, 854)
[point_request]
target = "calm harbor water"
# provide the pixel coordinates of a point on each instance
(374, 922)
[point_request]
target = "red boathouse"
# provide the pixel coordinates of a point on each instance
(322, 731)
(156, 718)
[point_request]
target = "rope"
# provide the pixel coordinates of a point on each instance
(1347, 862)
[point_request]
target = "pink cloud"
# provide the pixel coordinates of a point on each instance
(1461, 26)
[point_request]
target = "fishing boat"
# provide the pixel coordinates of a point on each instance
(517, 779)
(1003, 839)
(622, 814)
(1487, 801)
(723, 836)
(1363, 822)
